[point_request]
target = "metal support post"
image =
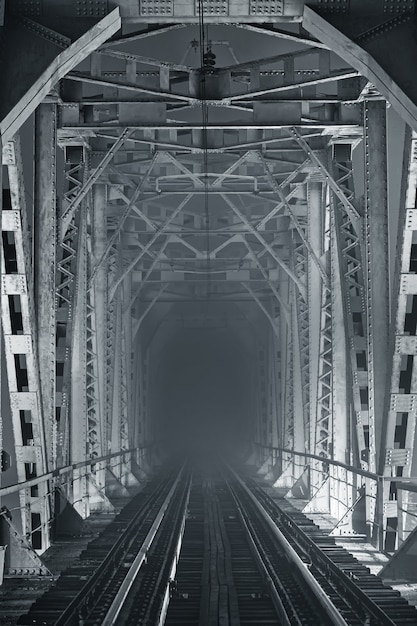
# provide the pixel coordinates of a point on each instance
(99, 289)
(44, 266)
(377, 294)
(79, 433)
(18, 316)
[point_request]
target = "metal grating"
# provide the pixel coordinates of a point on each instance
(212, 7)
(266, 7)
(156, 7)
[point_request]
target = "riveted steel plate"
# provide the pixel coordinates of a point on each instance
(408, 283)
(26, 7)
(8, 155)
(156, 7)
(13, 284)
(10, 220)
(28, 454)
(18, 344)
(333, 6)
(92, 8)
(406, 345)
(23, 400)
(391, 508)
(397, 456)
(399, 6)
(265, 7)
(403, 402)
(213, 7)
(411, 219)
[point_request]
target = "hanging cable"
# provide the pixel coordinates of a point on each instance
(207, 60)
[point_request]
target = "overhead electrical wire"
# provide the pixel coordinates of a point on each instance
(204, 68)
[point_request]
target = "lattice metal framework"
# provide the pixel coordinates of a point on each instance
(287, 238)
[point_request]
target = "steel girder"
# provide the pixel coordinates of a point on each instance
(396, 460)
(132, 231)
(29, 422)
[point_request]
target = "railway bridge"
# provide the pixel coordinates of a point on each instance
(209, 244)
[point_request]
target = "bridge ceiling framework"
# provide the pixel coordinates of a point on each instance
(207, 165)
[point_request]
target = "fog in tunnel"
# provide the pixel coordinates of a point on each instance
(201, 394)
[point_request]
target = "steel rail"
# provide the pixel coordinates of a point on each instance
(174, 564)
(327, 605)
(123, 592)
(333, 573)
(275, 596)
(86, 592)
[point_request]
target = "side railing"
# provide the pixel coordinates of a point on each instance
(342, 492)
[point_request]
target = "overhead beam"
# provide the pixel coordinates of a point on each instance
(149, 245)
(125, 215)
(69, 211)
(265, 244)
(294, 218)
(263, 309)
(58, 67)
(380, 66)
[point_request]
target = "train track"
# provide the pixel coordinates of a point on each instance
(208, 547)
(359, 597)
(86, 590)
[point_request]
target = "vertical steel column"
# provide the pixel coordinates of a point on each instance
(1, 320)
(286, 395)
(79, 434)
(322, 428)
(126, 296)
(65, 289)
(300, 260)
(397, 455)
(349, 237)
(99, 289)
(377, 292)
(275, 387)
(339, 428)
(340, 414)
(18, 321)
(299, 398)
(45, 234)
(378, 296)
(316, 215)
(112, 266)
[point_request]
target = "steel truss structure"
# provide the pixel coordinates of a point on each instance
(138, 204)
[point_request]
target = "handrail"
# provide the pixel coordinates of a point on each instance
(348, 468)
(5, 491)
